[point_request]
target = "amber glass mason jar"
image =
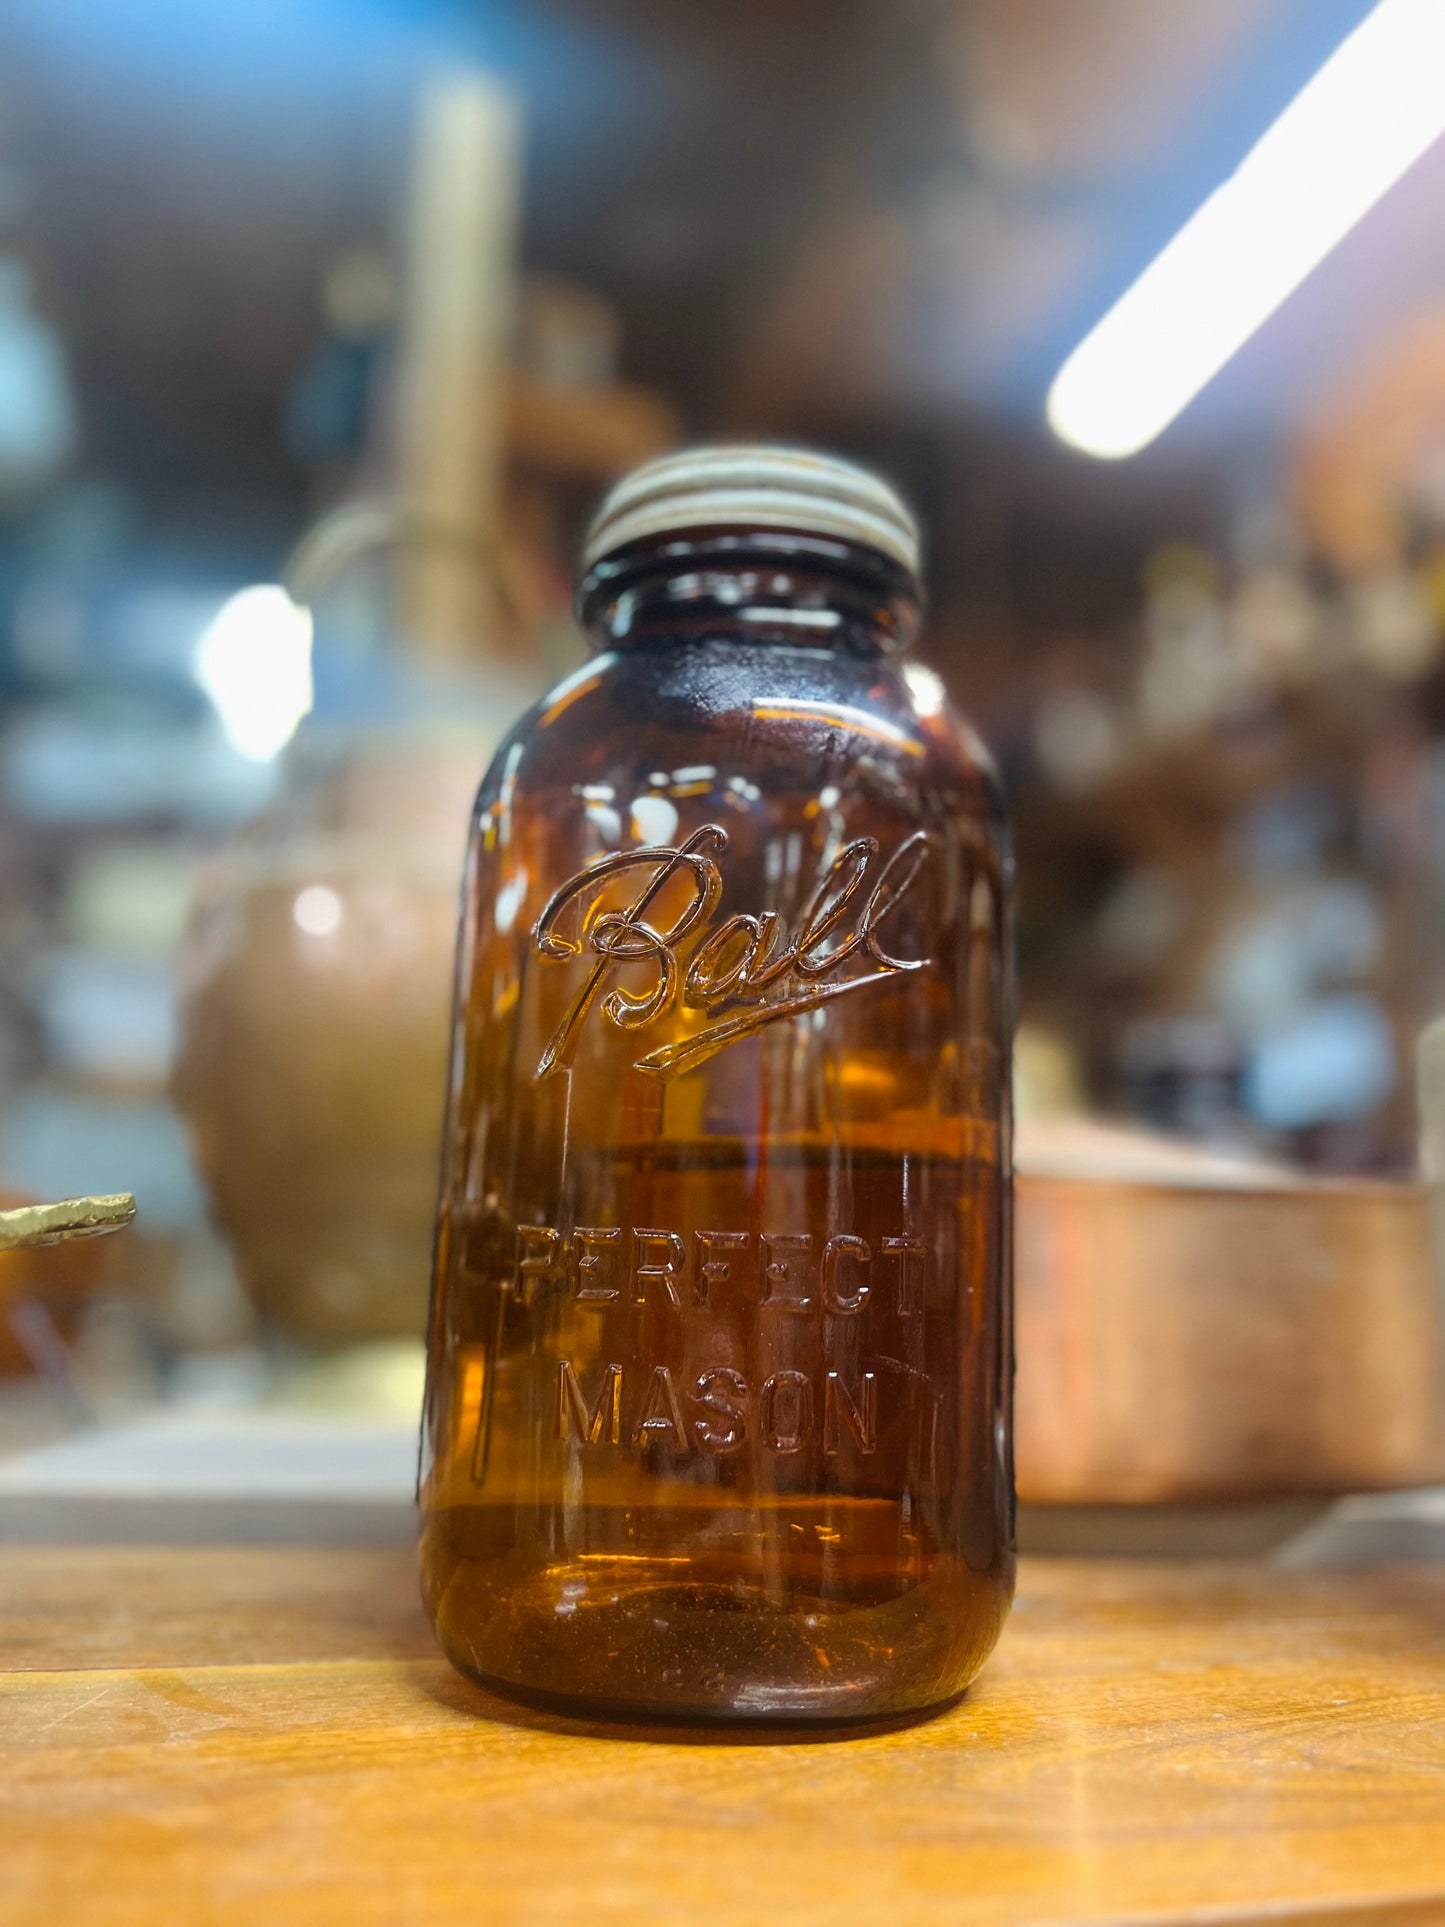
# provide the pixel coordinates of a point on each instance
(718, 1406)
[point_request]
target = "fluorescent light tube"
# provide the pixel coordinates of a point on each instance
(1363, 120)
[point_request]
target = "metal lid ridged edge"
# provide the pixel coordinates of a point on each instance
(754, 487)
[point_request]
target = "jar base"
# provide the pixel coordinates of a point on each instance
(600, 1639)
(589, 1713)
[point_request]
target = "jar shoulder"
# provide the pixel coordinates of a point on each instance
(770, 717)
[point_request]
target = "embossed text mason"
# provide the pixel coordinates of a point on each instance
(718, 1398)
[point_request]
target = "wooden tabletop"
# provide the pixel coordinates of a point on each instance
(265, 1734)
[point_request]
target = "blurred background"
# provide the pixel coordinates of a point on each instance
(322, 325)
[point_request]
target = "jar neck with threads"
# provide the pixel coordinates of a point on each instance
(758, 585)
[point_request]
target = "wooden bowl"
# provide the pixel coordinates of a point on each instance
(1189, 1330)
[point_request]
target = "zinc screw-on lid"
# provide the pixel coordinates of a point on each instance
(751, 487)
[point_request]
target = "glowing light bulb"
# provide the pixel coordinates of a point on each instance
(254, 662)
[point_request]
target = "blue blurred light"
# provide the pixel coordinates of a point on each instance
(1332, 1062)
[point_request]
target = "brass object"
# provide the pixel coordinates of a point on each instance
(54, 1224)
(1192, 1337)
(40, 1298)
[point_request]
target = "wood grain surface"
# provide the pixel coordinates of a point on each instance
(200, 1735)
